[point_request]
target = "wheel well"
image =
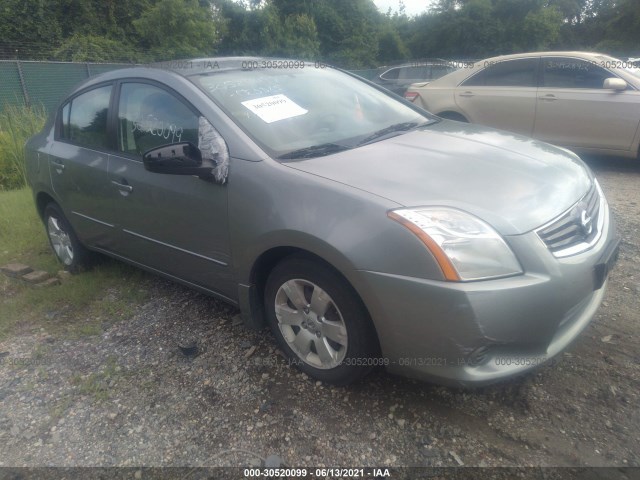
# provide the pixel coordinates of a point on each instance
(453, 116)
(269, 259)
(42, 200)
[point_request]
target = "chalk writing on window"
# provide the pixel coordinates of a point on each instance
(158, 128)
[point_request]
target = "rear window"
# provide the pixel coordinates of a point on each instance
(84, 119)
(510, 73)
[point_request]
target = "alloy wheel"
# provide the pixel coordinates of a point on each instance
(311, 323)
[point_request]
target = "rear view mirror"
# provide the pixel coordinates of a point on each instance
(178, 159)
(615, 84)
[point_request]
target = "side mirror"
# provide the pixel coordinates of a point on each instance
(178, 159)
(616, 84)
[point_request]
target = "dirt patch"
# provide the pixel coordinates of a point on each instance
(130, 396)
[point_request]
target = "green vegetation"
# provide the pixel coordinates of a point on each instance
(82, 305)
(481, 28)
(17, 124)
(352, 34)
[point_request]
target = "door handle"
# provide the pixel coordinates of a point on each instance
(58, 165)
(125, 188)
(467, 94)
(549, 97)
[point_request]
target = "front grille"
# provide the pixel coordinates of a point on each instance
(577, 229)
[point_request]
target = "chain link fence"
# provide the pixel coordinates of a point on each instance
(45, 83)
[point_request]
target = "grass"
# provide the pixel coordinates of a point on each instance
(17, 124)
(82, 305)
(21, 231)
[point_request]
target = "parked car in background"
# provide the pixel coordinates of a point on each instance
(362, 229)
(584, 101)
(399, 77)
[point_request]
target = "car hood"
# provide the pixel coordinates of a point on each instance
(512, 182)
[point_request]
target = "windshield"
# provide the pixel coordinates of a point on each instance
(308, 112)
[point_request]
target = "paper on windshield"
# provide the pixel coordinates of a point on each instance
(274, 108)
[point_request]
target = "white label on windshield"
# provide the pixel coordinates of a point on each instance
(274, 108)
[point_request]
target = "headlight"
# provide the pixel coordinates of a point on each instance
(465, 247)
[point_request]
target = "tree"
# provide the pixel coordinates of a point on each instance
(173, 29)
(623, 29)
(91, 48)
(28, 28)
(352, 34)
(391, 48)
(300, 37)
(348, 31)
(540, 29)
(240, 28)
(481, 28)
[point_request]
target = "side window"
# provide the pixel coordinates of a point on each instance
(149, 117)
(573, 73)
(84, 119)
(511, 73)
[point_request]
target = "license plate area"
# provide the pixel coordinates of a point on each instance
(605, 264)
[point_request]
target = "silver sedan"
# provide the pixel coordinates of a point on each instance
(362, 230)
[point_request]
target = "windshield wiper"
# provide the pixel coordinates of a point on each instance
(314, 151)
(397, 127)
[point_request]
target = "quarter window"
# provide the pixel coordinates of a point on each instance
(511, 73)
(84, 119)
(149, 117)
(573, 73)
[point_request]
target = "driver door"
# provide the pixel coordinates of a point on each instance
(175, 224)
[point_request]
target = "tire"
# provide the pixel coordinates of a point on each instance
(319, 321)
(63, 240)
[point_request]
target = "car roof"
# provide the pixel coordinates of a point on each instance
(164, 71)
(197, 66)
(567, 53)
(455, 78)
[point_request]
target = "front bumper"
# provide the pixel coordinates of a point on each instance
(477, 333)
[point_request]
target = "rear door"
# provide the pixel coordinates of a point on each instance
(78, 164)
(575, 110)
(502, 95)
(173, 223)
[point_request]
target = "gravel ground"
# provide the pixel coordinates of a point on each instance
(130, 397)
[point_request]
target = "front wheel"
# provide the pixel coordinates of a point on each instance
(63, 240)
(319, 322)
